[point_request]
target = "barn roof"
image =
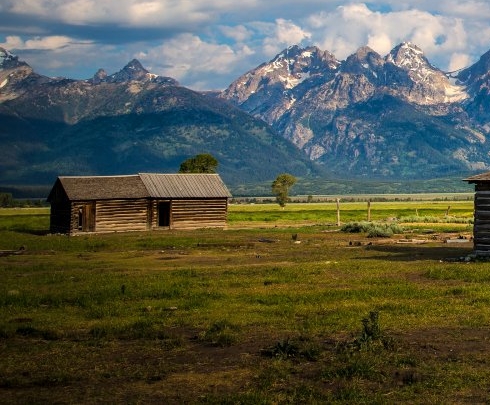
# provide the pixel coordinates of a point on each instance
(184, 185)
(483, 177)
(77, 188)
(100, 187)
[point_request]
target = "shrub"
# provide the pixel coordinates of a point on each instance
(221, 333)
(356, 227)
(373, 229)
(378, 231)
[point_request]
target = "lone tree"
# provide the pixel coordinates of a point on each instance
(203, 163)
(281, 186)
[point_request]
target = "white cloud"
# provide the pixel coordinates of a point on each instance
(285, 33)
(238, 33)
(381, 42)
(188, 57)
(61, 54)
(347, 28)
(135, 13)
(196, 39)
(40, 43)
(459, 61)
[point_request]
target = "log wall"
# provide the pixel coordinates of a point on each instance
(136, 215)
(194, 214)
(481, 228)
(114, 216)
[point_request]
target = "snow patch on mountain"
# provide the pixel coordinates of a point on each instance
(455, 93)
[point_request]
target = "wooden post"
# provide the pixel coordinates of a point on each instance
(369, 210)
(447, 211)
(338, 211)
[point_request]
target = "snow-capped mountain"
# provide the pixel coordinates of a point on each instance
(386, 117)
(284, 79)
(393, 117)
(14, 74)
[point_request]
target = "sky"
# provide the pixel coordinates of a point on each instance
(207, 44)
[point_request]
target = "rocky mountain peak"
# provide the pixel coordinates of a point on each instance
(289, 69)
(134, 70)
(365, 59)
(15, 76)
(429, 85)
(405, 54)
(99, 76)
(298, 60)
(9, 60)
(411, 58)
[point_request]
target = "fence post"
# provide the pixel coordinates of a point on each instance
(369, 210)
(338, 211)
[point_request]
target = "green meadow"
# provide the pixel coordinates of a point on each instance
(283, 306)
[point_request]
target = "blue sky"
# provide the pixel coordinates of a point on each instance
(206, 44)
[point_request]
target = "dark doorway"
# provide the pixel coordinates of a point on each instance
(164, 213)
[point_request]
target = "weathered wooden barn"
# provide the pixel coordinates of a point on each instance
(481, 227)
(146, 201)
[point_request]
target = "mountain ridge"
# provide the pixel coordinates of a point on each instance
(127, 122)
(333, 121)
(368, 117)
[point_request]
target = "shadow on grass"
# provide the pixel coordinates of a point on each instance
(419, 252)
(29, 231)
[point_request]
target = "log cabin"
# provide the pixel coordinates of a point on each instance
(142, 202)
(481, 227)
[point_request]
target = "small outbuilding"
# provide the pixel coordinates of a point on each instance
(141, 202)
(481, 227)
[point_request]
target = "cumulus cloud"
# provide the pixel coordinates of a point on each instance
(138, 13)
(214, 41)
(239, 33)
(458, 61)
(285, 33)
(187, 57)
(347, 28)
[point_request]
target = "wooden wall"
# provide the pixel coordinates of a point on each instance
(481, 228)
(194, 214)
(136, 215)
(114, 216)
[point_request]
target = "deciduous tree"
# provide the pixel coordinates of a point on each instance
(281, 186)
(202, 163)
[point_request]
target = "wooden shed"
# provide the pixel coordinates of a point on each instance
(481, 227)
(146, 201)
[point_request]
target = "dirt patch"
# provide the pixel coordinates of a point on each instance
(151, 372)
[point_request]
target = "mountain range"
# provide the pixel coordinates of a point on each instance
(365, 119)
(128, 122)
(393, 117)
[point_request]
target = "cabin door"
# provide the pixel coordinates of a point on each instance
(86, 218)
(164, 213)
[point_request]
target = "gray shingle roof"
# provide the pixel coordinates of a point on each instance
(103, 187)
(144, 185)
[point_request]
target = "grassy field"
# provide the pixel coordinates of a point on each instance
(282, 307)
